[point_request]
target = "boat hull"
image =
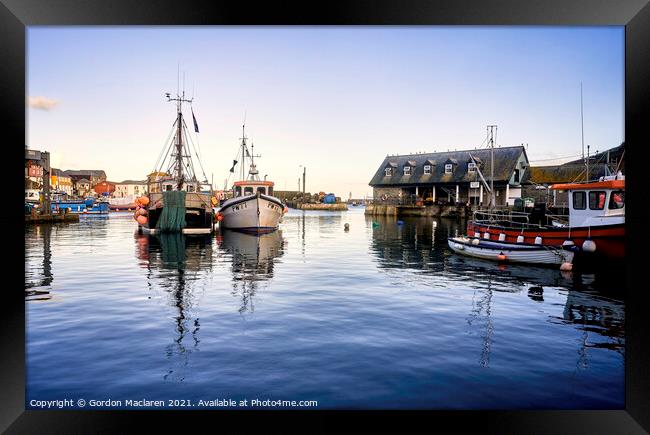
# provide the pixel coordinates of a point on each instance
(254, 213)
(510, 252)
(199, 215)
(609, 239)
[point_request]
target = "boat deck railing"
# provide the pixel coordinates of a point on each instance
(517, 219)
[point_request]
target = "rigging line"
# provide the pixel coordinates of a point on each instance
(165, 146)
(554, 158)
(195, 152)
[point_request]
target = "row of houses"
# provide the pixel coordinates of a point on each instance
(465, 177)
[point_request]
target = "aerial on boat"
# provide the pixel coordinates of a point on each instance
(177, 201)
(253, 207)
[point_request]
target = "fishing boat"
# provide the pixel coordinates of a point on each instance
(595, 223)
(177, 201)
(252, 208)
(81, 206)
(512, 252)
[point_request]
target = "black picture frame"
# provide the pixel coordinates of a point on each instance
(15, 15)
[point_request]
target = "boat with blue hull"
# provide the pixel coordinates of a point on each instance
(81, 206)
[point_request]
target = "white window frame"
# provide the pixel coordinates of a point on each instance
(471, 167)
(407, 170)
(427, 169)
(449, 168)
(388, 171)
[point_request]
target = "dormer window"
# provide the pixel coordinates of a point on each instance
(471, 167)
(407, 170)
(449, 168)
(427, 169)
(389, 171)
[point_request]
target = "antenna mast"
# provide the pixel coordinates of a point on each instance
(178, 171)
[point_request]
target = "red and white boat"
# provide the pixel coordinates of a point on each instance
(595, 224)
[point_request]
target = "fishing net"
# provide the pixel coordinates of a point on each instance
(172, 218)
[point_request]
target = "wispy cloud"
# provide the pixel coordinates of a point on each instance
(42, 103)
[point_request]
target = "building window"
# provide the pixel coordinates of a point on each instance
(617, 200)
(407, 170)
(471, 167)
(516, 175)
(597, 200)
(389, 172)
(579, 201)
(448, 168)
(427, 169)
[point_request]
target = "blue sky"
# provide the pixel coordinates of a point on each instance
(335, 99)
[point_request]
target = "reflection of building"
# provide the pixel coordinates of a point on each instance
(253, 257)
(453, 176)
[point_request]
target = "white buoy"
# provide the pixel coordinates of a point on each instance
(520, 239)
(568, 243)
(475, 241)
(486, 235)
(566, 267)
(589, 245)
(477, 234)
(502, 237)
(538, 240)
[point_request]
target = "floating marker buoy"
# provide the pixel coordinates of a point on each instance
(486, 235)
(346, 227)
(501, 256)
(502, 237)
(477, 234)
(589, 245)
(566, 267)
(520, 239)
(538, 240)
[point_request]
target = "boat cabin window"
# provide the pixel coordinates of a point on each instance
(168, 187)
(190, 188)
(271, 190)
(237, 190)
(262, 190)
(579, 202)
(597, 200)
(617, 200)
(248, 190)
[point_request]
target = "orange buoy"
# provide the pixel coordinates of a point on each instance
(219, 217)
(566, 267)
(141, 212)
(142, 220)
(501, 256)
(144, 200)
(286, 209)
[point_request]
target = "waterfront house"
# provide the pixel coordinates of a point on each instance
(94, 176)
(60, 182)
(451, 177)
(104, 188)
(82, 187)
(130, 189)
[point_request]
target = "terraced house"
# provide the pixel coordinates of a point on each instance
(451, 177)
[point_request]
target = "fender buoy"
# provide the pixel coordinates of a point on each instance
(501, 256)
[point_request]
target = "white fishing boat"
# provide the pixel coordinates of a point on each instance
(253, 208)
(512, 252)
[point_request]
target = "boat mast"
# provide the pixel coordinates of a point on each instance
(582, 129)
(178, 172)
(492, 198)
(243, 151)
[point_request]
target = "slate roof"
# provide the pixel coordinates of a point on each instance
(565, 173)
(132, 182)
(505, 159)
(83, 172)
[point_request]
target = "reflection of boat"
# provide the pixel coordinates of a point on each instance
(510, 252)
(253, 206)
(253, 257)
(176, 202)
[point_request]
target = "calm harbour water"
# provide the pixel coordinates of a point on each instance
(381, 316)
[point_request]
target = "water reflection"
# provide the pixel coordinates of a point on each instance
(253, 257)
(37, 241)
(174, 262)
(594, 301)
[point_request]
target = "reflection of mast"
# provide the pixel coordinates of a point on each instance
(477, 308)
